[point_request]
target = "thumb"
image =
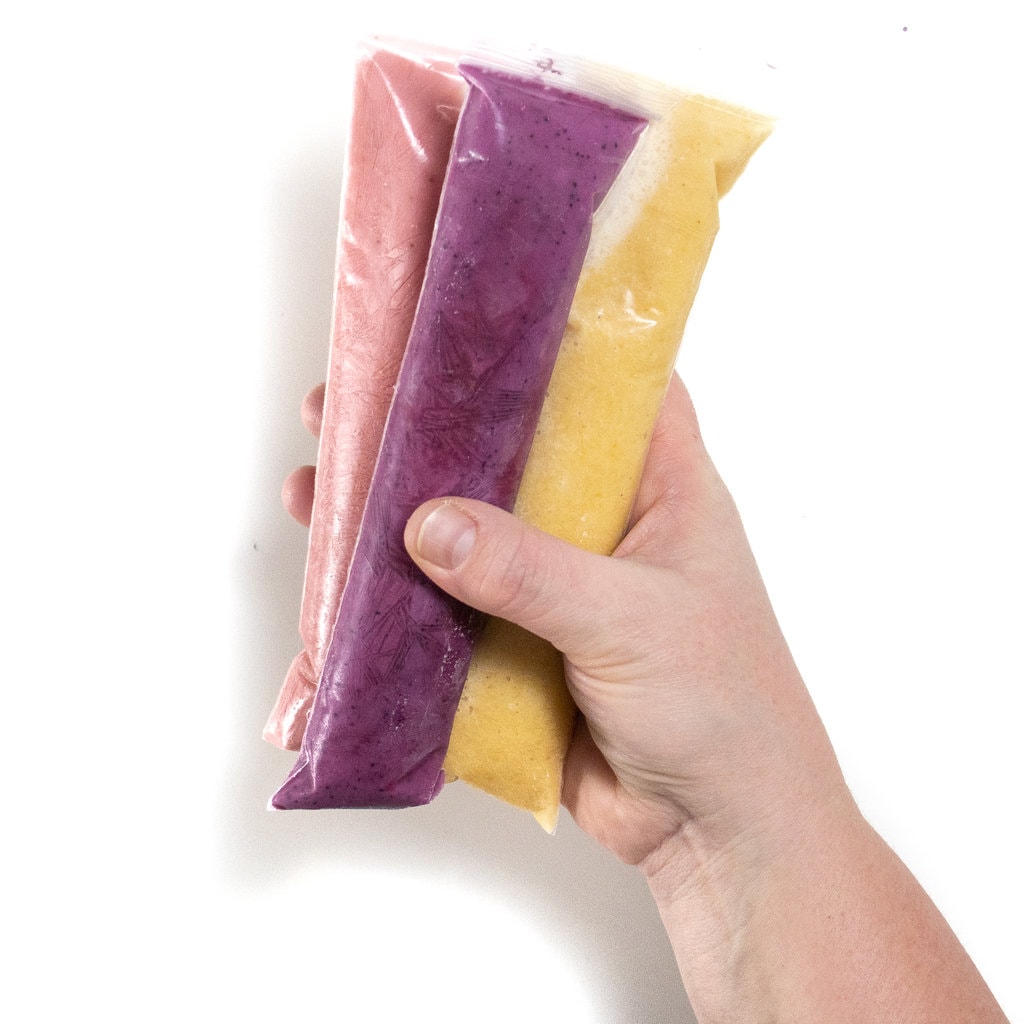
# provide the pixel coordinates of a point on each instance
(488, 559)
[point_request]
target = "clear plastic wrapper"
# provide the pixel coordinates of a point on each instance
(532, 158)
(405, 105)
(651, 241)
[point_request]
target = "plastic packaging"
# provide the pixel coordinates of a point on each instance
(651, 241)
(405, 106)
(531, 161)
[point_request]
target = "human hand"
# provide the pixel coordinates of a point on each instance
(693, 710)
(699, 755)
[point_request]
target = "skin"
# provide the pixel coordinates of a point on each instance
(699, 756)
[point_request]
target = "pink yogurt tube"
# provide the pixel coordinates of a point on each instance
(405, 106)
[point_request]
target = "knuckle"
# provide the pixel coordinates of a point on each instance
(513, 577)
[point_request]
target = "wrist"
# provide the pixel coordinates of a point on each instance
(727, 895)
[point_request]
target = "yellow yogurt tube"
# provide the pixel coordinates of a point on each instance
(651, 241)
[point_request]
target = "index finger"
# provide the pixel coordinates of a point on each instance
(312, 410)
(675, 452)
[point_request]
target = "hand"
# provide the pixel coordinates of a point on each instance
(699, 755)
(692, 707)
(693, 710)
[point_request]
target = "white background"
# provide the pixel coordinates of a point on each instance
(167, 221)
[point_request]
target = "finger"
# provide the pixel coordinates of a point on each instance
(599, 803)
(492, 561)
(680, 493)
(588, 783)
(312, 409)
(676, 448)
(297, 493)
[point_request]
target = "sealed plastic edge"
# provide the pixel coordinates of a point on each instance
(631, 93)
(737, 81)
(415, 50)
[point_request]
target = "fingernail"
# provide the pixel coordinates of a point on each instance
(446, 537)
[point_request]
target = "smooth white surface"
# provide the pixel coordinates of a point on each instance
(168, 218)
